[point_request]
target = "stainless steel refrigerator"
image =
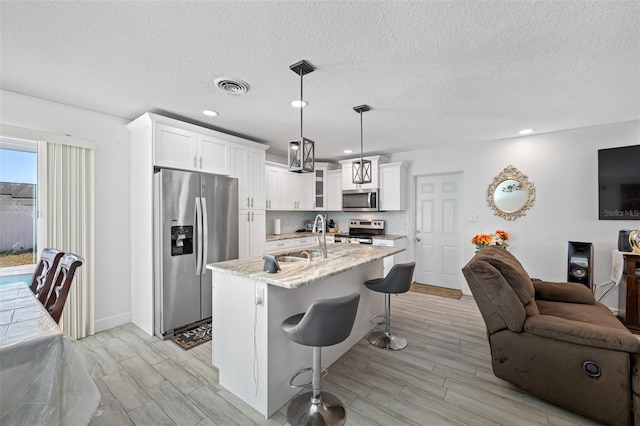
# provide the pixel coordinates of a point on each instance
(195, 223)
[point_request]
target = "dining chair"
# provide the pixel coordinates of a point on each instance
(45, 272)
(61, 284)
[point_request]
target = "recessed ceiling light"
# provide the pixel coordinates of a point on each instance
(525, 131)
(299, 104)
(348, 151)
(210, 113)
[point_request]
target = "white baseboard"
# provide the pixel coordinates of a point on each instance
(111, 322)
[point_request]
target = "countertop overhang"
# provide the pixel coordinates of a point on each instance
(340, 258)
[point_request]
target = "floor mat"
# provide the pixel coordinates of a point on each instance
(193, 337)
(436, 291)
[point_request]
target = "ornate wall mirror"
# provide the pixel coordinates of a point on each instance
(510, 194)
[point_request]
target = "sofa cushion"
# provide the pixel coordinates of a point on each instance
(498, 303)
(582, 333)
(511, 270)
(597, 313)
(563, 292)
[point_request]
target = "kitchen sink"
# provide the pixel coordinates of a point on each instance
(315, 254)
(298, 256)
(286, 259)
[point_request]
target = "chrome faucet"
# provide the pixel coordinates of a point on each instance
(323, 246)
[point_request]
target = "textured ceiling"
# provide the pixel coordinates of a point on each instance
(434, 73)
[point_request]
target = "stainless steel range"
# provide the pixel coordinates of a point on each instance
(361, 231)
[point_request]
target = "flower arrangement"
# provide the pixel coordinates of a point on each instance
(500, 238)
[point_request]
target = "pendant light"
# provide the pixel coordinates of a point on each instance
(301, 150)
(361, 169)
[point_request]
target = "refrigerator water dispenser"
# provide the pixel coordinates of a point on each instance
(181, 240)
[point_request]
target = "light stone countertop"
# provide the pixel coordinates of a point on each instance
(341, 258)
(292, 235)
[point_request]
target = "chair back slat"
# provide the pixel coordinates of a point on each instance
(61, 285)
(44, 274)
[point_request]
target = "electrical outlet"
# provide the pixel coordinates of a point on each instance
(259, 296)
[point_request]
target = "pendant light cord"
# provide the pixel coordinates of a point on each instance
(361, 170)
(301, 106)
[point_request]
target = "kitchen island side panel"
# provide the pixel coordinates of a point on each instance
(236, 320)
(287, 357)
(259, 374)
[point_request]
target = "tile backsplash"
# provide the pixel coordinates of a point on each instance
(290, 221)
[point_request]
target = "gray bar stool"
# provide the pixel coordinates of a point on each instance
(326, 323)
(398, 280)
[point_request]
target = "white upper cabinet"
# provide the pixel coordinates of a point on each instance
(174, 147)
(183, 149)
(212, 155)
(393, 188)
(333, 190)
(347, 173)
(303, 191)
(247, 164)
(287, 190)
(320, 188)
(272, 200)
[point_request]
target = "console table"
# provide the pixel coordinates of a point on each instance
(629, 291)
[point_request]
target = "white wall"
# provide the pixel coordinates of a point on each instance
(112, 262)
(563, 167)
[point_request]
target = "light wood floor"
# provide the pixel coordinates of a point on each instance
(443, 377)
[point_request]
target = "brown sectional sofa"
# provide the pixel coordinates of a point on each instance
(555, 341)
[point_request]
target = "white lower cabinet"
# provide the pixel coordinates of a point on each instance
(389, 261)
(252, 229)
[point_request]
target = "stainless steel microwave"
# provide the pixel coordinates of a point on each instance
(360, 200)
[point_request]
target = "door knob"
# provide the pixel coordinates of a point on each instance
(418, 239)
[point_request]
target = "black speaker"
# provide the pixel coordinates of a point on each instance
(580, 263)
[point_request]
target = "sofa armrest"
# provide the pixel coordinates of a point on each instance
(563, 292)
(581, 333)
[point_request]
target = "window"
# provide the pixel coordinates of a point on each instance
(18, 230)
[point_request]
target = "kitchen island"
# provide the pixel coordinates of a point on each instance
(254, 358)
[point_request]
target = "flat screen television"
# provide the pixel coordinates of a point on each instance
(619, 183)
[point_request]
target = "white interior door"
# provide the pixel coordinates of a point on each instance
(439, 230)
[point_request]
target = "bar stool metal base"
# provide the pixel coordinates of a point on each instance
(388, 341)
(377, 319)
(327, 411)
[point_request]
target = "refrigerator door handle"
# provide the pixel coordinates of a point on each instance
(199, 236)
(205, 236)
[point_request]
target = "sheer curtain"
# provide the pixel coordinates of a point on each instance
(65, 221)
(65, 206)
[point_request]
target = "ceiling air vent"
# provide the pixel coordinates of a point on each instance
(231, 85)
